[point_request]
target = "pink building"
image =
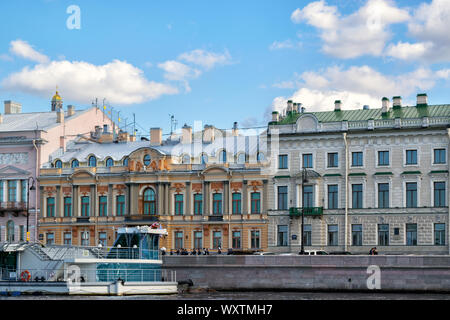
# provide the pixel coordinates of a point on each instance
(27, 140)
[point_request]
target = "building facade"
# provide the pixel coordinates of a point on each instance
(208, 189)
(361, 179)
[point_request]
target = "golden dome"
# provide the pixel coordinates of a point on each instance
(56, 96)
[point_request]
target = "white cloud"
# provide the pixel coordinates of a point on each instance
(287, 44)
(178, 71)
(25, 50)
(408, 51)
(443, 74)
(118, 81)
(206, 59)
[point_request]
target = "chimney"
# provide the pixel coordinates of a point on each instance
(337, 105)
(422, 100)
(275, 116)
(208, 134)
(366, 107)
(289, 105)
(132, 138)
(186, 134)
(396, 102)
(235, 131)
(12, 107)
(384, 105)
(60, 116)
(299, 107)
(155, 136)
(123, 136)
(70, 110)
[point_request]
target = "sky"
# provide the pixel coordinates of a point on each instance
(221, 62)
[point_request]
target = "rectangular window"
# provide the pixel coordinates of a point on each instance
(21, 233)
(333, 235)
(255, 199)
(282, 161)
(307, 233)
(383, 234)
(102, 239)
(282, 198)
(439, 234)
(356, 234)
(357, 196)
(67, 238)
(236, 203)
(179, 239)
(411, 234)
(198, 204)
(1, 191)
(439, 194)
(411, 156)
(383, 195)
(236, 240)
(383, 158)
(23, 193)
(357, 159)
(178, 204)
(50, 207)
(85, 241)
(332, 196)
(67, 206)
(217, 203)
(12, 186)
(255, 239)
(308, 197)
(411, 195)
(217, 239)
(439, 156)
(50, 238)
(282, 236)
(103, 206)
(307, 160)
(120, 205)
(333, 160)
(198, 239)
(85, 206)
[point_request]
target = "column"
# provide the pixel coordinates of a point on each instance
(109, 210)
(188, 199)
(166, 198)
(226, 198)
(206, 210)
(93, 201)
(160, 198)
(58, 211)
(41, 193)
(244, 197)
(265, 195)
(75, 202)
(133, 199)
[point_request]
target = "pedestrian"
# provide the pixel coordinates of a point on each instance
(199, 252)
(207, 252)
(219, 251)
(375, 252)
(163, 251)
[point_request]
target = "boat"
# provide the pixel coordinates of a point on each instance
(132, 266)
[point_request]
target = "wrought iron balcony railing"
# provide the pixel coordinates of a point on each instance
(311, 211)
(13, 206)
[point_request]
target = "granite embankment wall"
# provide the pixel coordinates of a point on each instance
(247, 272)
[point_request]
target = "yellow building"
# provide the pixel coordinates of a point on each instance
(208, 189)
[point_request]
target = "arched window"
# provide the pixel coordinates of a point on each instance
(204, 159)
(92, 161)
(10, 231)
(261, 157)
(149, 201)
(58, 164)
(147, 160)
(125, 162)
(223, 156)
(241, 158)
(109, 162)
(186, 159)
(75, 163)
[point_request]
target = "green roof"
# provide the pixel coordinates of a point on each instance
(383, 173)
(411, 172)
(375, 114)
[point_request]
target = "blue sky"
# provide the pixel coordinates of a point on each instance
(223, 61)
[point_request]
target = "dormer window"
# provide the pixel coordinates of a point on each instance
(204, 158)
(186, 159)
(75, 163)
(125, 162)
(223, 156)
(92, 161)
(109, 162)
(260, 157)
(241, 158)
(147, 160)
(58, 164)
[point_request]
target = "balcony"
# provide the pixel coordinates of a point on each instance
(312, 211)
(15, 207)
(215, 218)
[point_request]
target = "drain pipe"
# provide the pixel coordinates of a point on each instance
(346, 191)
(36, 192)
(448, 189)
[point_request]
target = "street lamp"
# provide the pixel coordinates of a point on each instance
(304, 180)
(28, 204)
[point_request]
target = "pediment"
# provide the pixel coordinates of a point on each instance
(11, 171)
(215, 170)
(307, 123)
(82, 174)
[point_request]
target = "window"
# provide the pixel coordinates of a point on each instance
(92, 161)
(261, 157)
(85, 206)
(198, 204)
(1, 191)
(102, 238)
(179, 204)
(147, 160)
(50, 238)
(125, 161)
(85, 238)
(357, 159)
(332, 196)
(120, 205)
(178, 239)
(236, 203)
(50, 207)
(357, 196)
(333, 235)
(75, 163)
(439, 156)
(241, 158)
(282, 236)
(356, 234)
(383, 158)
(186, 159)
(333, 160)
(282, 198)
(217, 203)
(396, 231)
(411, 157)
(255, 239)
(67, 206)
(282, 161)
(21, 233)
(10, 231)
(149, 201)
(204, 159)
(439, 234)
(307, 232)
(24, 190)
(308, 199)
(383, 234)
(217, 239)
(383, 195)
(223, 156)
(58, 164)
(411, 234)
(109, 162)
(12, 184)
(67, 238)
(236, 240)
(103, 206)
(439, 194)
(198, 240)
(411, 194)
(307, 160)
(255, 199)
